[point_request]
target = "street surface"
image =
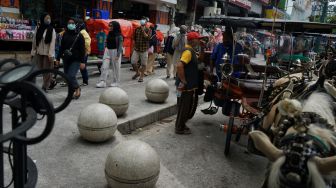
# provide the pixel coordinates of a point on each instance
(187, 161)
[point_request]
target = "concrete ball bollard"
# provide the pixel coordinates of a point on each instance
(97, 123)
(132, 164)
(157, 91)
(115, 98)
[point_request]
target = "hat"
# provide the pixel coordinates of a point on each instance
(183, 28)
(193, 35)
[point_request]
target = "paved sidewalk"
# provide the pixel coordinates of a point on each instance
(64, 159)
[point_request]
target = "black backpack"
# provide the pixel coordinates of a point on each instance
(169, 45)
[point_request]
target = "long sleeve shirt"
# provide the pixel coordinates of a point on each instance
(43, 48)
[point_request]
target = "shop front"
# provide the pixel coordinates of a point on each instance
(239, 8)
(272, 12)
(16, 32)
(158, 11)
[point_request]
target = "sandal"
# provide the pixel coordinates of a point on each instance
(52, 85)
(77, 94)
(135, 76)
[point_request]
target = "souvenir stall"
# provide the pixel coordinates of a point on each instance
(16, 33)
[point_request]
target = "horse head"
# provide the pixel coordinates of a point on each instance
(307, 140)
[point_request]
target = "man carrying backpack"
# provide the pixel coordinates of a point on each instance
(169, 51)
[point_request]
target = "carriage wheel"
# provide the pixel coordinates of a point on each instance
(239, 133)
(229, 131)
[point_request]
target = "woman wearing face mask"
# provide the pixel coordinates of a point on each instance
(112, 56)
(43, 49)
(72, 52)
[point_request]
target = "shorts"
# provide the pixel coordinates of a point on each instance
(142, 56)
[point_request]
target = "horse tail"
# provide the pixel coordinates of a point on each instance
(315, 176)
(274, 176)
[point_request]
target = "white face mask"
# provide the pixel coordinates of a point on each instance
(216, 34)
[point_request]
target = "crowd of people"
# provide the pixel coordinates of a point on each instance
(182, 46)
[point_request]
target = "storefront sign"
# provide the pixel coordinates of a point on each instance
(264, 1)
(272, 12)
(10, 3)
(256, 7)
(302, 10)
(242, 3)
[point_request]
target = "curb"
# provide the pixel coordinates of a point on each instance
(129, 126)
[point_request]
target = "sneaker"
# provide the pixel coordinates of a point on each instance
(101, 84)
(84, 84)
(114, 85)
(63, 84)
(184, 132)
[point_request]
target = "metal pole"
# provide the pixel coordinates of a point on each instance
(226, 8)
(19, 153)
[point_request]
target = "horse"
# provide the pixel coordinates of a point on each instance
(304, 156)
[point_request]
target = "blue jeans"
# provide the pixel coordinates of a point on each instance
(71, 69)
(84, 72)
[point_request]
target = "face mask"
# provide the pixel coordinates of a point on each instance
(142, 22)
(71, 27)
(47, 21)
(216, 34)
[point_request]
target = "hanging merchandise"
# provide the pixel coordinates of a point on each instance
(15, 29)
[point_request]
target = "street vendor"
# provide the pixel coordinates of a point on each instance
(222, 48)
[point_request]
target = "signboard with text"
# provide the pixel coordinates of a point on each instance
(242, 3)
(10, 3)
(264, 1)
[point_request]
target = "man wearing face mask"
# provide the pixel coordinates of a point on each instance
(43, 49)
(141, 39)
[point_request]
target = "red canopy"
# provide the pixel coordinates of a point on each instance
(127, 29)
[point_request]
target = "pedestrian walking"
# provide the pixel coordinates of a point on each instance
(83, 65)
(179, 44)
(152, 52)
(141, 45)
(187, 84)
(43, 48)
(72, 52)
(112, 56)
(169, 51)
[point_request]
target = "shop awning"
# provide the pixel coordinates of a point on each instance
(154, 2)
(268, 24)
(266, 33)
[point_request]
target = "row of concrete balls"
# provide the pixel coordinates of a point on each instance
(131, 164)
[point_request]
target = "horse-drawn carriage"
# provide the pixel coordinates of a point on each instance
(290, 111)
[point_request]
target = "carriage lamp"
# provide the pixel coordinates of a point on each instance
(297, 63)
(227, 70)
(226, 57)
